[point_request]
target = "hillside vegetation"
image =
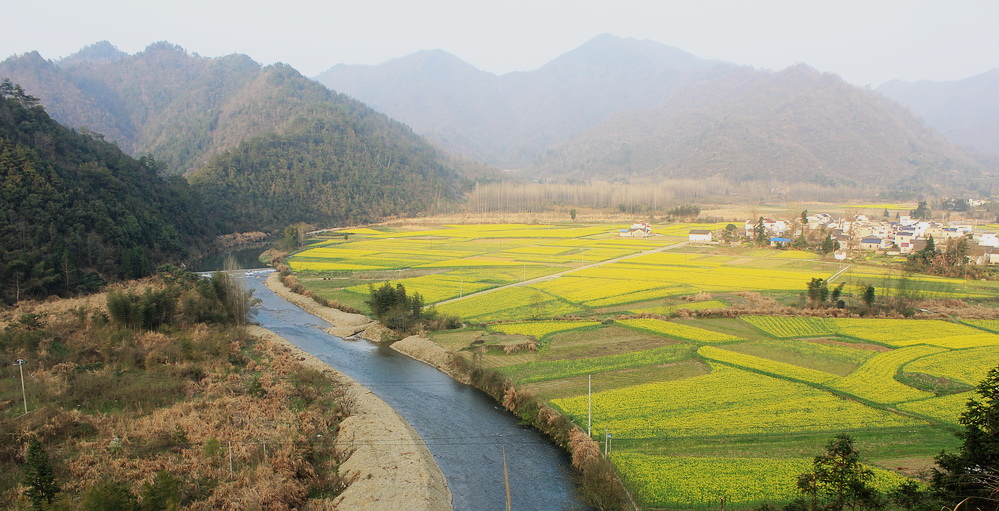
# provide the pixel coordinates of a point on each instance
(342, 164)
(75, 211)
(266, 146)
(158, 398)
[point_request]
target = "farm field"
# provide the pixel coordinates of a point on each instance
(742, 401)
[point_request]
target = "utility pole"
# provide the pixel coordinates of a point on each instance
(20, 365)
(506, 480)
(589, 408)
(606, 441)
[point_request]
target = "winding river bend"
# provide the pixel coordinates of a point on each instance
(465, 430)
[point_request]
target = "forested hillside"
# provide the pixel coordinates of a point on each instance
(163, 101)
(75, 210)
(181, 108)
(343, 164)
(266, 145)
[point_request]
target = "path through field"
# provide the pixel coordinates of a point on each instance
(559, 274)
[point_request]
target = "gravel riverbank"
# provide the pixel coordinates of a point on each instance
(389, 465)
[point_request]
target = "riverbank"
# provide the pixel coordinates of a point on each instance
(598, 478)
(346, 324)
(389, 465)
(429, 352)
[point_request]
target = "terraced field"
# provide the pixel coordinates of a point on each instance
(698, 408)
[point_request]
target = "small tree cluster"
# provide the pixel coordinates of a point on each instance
(819, 294)
(838, 479)
(184, 298)
(395, 308)
(685, 211)
(952, 261)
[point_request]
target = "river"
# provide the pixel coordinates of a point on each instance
(466, 431)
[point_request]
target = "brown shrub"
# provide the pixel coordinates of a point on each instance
(584, 449)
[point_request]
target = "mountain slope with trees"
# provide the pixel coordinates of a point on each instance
(347, 164)
(76, 210)
(268, 146)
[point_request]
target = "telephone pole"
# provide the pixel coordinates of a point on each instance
(20, 365)
(589, 408)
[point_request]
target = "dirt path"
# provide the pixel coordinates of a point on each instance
(559, 274)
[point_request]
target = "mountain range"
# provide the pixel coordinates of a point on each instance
(270, 146)
(508, 120)
(267, 145)
(965, 111)
(637, 111)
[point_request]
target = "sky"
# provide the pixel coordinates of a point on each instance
(867, 42)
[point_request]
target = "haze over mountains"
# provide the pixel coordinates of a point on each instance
(508, 120)
(965, 111)
(613, 109)
(624, 109)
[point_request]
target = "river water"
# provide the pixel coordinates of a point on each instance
(466, 431)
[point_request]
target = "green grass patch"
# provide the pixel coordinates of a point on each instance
(558, 369)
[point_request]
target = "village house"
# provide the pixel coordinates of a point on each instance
(642, 230)
(904, 239)
(986, 239)
(699, 236)
(872, 243)
(773, 227)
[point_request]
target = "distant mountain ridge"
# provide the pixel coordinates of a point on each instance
(965, 111)
(796, 125)
(509, 120)
(628, 110)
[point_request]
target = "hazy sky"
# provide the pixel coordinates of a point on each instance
(867, 42)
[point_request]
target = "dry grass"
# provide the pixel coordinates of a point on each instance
(229, 390)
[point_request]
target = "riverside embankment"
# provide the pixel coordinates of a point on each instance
(465, 430)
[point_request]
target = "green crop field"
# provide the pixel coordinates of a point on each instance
(699, 408)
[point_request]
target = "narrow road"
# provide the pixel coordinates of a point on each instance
(556, 275)
(837, 274)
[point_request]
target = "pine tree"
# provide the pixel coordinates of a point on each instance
(838, 478)
(38, 476)
(973, 471)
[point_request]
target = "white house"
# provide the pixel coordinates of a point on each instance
(987, 239)
(699, 236)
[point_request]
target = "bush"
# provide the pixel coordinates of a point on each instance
(109, 496)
